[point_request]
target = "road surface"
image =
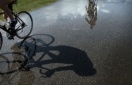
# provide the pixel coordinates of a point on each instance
(69, 52)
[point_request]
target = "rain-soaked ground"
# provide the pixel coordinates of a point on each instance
(73, 42)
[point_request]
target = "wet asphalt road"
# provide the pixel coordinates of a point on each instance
(68, 52)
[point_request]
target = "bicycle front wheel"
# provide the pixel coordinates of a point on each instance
(24, 25)
(1, 40)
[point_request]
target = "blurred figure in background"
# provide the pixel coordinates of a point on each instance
(91, 16)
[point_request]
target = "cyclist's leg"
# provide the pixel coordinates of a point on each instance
(4, 7)
(5, 15)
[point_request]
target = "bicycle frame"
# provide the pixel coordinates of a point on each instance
(7, 31)
(19, 28)
(4, 29)
(19, 21)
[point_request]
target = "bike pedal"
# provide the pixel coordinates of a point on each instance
(10, 38)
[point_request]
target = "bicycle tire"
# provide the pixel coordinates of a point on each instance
(4, 65)
(1, 40)
(24, 19)
(8, 66)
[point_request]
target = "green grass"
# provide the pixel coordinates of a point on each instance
(29, 5)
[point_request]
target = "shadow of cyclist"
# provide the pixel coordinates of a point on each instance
(76, 59)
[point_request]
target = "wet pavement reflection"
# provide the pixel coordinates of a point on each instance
(62, 50)
(91, 16)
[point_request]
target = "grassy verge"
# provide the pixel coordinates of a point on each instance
(29, 5)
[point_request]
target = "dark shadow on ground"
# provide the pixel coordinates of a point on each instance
(77, 60)
(10, 68)
(10, 62)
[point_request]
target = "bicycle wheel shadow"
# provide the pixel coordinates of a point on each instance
(10, 69)
(10, 62)
(73, 58)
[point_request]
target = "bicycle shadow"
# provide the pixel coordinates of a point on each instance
(73, 58)
(78, 60)
(11, 68)
(10, 62)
